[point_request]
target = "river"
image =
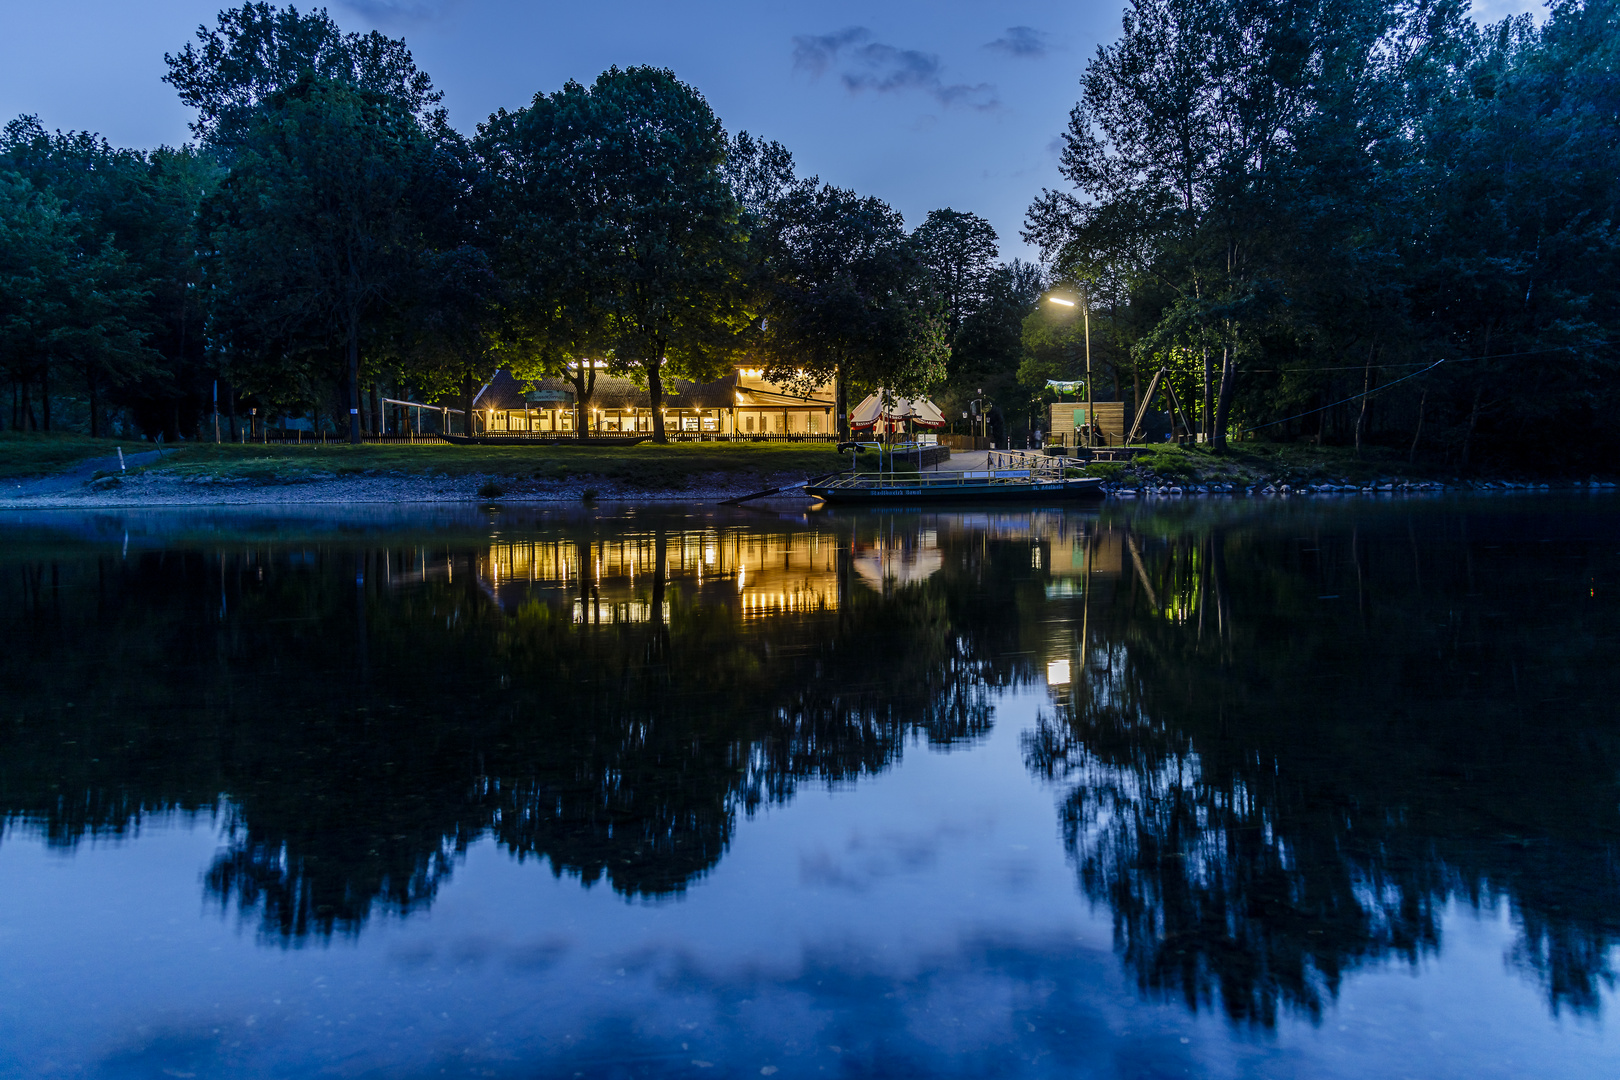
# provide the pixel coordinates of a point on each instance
(1213, 788)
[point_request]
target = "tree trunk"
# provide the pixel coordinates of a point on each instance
(1223, 401)
(467, 401)
(1366, 397)
(841, 403)
(1206, 410)
(584, 379)
(1473, 421)
(28, 407)
(95, 420)
(378, 427)
(655, 396)
(1411, 456)
(354, 378)
(45, 393)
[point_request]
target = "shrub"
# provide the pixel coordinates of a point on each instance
(489, 489)
(1168, 462)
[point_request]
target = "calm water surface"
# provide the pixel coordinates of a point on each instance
(1313, 789)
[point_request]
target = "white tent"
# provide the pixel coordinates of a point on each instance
(919, 411)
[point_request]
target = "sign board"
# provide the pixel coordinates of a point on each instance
(549, 397)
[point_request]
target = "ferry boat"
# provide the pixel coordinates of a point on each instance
(985, 486)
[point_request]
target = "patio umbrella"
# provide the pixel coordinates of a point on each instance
(919, 411)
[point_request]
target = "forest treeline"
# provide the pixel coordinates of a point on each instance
(1297, 210)
(1294, 204)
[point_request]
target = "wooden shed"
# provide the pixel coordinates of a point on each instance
(1066, 417)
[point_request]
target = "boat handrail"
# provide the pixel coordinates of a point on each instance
(942, 478)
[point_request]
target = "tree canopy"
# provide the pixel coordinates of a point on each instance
(1328, 198)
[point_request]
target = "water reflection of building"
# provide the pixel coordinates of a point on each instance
(610, 580)
(898, 558)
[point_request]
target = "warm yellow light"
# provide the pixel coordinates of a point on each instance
(1060, 300)
(1057, 673)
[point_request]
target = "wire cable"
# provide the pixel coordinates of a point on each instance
(1415, 374)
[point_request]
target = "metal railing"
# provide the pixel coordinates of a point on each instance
(1037, 464)
(950, 479)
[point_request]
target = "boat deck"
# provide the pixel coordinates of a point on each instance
(973, 485)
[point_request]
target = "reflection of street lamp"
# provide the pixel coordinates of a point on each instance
(1091, 405)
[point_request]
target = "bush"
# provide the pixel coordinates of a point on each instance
(489, 489)
(1168, 462)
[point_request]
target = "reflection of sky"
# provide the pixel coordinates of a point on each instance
(922, 921)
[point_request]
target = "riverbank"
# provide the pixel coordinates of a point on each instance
(77, 472)
(74, 471)
(1293, 468)
(157, 487)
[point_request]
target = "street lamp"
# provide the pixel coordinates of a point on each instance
(1091, 405)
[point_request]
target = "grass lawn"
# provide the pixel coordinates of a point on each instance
(645, 464)
(39, 453)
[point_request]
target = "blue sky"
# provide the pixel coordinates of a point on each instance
(952, 103)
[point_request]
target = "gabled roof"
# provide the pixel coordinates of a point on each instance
(503, 392)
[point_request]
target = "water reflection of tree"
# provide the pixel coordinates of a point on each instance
(357, 738)
(1287, 754)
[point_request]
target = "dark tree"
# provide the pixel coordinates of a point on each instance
(326, 221)
(257, 49)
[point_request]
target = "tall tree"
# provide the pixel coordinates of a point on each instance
(96, 201)
(258, 49)
(1184, 149)
(960, 251)
(323, 226)
(849, 299)
(36, 250)
(629, 208)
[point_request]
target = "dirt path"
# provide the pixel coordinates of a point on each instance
(72, 479)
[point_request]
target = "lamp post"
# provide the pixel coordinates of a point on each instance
(1091, 404)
